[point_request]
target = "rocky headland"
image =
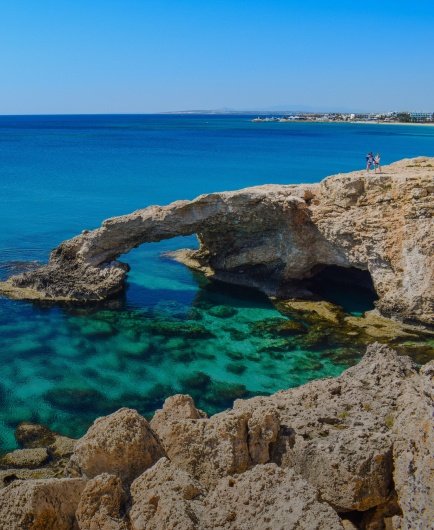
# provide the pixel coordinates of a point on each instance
(271, 237)
(351, 452)
(344, 453)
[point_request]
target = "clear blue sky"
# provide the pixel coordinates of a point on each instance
(133, 56)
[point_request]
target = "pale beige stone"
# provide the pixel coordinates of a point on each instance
(226, 443)
(62, 446)
(337, 433)
(382, 223)
(47, 504)
(166, 498)
(413, 451)
(121, 444)
(267, 497)
(27, 458)
(102, 504)
(179, 406)
(7, 476)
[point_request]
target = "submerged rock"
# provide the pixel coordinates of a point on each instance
(222, 311)
(277, 326)
(196, 381)
(73, 399)
(29, 435)
(190, 330)
(236, 368)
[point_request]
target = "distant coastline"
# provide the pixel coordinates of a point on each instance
(357, 122)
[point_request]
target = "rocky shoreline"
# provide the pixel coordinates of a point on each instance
(350, 452)
(271, 237)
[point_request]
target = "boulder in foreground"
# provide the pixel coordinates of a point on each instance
(47, 504)
(121, 444)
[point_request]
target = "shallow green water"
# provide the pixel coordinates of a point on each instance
(61, 174)
(175, 332)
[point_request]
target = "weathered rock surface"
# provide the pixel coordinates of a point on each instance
(165, 498)
(267, 497)
(211, 448)
(7, 476)
(121, 444)
(337, 433)
(40, 504)
(269, 236)
(413, 451)
(28, 458)
(355, 451)
(29, 435)
(102, 504)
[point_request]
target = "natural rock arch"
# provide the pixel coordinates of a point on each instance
(269, 235)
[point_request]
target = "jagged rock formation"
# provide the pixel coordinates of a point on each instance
(48, 504)
(102, 504)
(226, 443)
(121, 443)
(350, 452)
(269, 236)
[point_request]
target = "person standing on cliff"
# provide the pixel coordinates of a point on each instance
(369, 161)
(377, 160)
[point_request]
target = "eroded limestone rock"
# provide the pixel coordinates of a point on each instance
(121, 444)
(47, 504)
(359, 445)
(337, 433)
(267, 497)
(166, 498)
(269, 236)
(413, 451)
(227, 443)
(28, 458)
(7, 476)
(102, 504)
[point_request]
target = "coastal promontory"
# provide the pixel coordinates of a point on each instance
(271, 237)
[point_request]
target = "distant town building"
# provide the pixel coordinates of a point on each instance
(421, 116)
(382, 117)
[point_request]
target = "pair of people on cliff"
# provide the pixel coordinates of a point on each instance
(373, 162)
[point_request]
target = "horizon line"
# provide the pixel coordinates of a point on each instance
(204, 111)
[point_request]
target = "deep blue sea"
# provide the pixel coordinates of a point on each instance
(174, 331)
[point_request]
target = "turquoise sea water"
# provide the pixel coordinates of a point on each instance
(173, 331)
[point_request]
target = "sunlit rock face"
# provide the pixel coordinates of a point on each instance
(336, 451)
(269, 237)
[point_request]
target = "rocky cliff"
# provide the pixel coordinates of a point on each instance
(270, 237)
(344, 453)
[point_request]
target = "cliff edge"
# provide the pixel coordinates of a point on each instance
(270, 236)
